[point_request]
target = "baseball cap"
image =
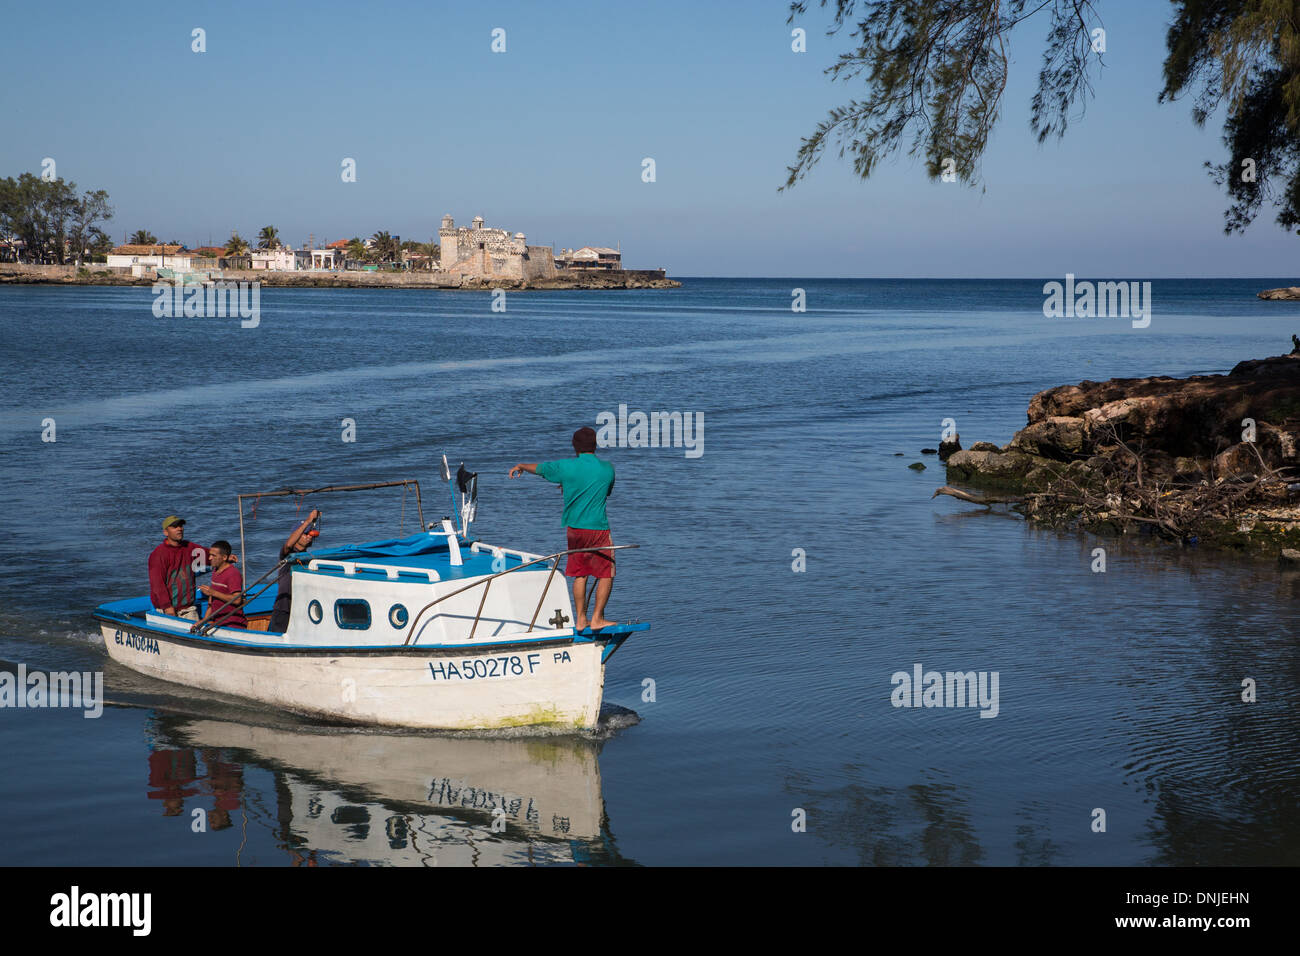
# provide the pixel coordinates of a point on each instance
(171, 520)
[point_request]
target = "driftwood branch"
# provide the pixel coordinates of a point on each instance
(982, 500)
(1125, 494)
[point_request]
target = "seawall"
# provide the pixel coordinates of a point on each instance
(98, 274)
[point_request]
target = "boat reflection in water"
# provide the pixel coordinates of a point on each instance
(382, 799)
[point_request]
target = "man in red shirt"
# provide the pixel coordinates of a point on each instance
(226, 592)
(171, 571)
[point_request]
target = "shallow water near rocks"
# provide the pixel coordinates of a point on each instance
(771, 688)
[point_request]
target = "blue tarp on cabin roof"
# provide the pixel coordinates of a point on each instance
(419, 543)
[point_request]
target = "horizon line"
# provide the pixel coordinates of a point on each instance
(679, 275)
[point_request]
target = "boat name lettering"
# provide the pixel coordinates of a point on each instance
(469, 668)
(137, 642)
(562, 657)
(455, 793)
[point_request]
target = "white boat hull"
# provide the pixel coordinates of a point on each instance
(550, 683)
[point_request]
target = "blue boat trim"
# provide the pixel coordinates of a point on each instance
(618, 633)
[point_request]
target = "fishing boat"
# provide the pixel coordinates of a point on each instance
(434, 630)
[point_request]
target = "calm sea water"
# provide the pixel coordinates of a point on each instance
(772, 688)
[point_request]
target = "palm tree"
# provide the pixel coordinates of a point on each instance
(268, 238)
(236, 245)
(385, 246)
(356, 248)
(429, 250)
(142, 237)
(101, 244)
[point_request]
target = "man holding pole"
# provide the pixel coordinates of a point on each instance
(296, 543)
(586, 482)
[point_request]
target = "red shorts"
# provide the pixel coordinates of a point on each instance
(594, 564)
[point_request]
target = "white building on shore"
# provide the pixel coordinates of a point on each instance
(282, 259)
(138, 258)
(326, 258)
(591, 257)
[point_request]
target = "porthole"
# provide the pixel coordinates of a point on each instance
(352, 614)
(315, 612)
(397, 616)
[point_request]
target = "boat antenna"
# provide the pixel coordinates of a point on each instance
(451, 485)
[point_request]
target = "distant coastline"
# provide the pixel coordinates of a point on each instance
(97, 274)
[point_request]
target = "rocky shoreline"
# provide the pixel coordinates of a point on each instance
(90, 275)
(1290, 292)
(1210, 460)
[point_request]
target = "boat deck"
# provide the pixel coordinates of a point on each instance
(424, 550)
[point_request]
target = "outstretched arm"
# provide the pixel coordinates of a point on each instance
(215, 596)
(218, 601)
(301, 529)
(520, 468)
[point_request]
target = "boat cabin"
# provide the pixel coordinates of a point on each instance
(432, 588)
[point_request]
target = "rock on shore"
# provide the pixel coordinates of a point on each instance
(1210, 458)
(1290, 292)
(1184, 428)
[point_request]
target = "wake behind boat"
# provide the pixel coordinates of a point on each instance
(434, 630)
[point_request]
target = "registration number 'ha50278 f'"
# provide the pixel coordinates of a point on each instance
(488, 668)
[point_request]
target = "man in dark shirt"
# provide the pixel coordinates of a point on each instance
(171, 571)
(299, 541)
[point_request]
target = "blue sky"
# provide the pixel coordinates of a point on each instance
(548, 138)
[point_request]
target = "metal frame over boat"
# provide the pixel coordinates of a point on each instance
(434, 630)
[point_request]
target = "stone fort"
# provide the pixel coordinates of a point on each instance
(479, 251)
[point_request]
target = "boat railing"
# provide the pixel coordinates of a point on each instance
(352, 567)
(486, 583)
(478, 546)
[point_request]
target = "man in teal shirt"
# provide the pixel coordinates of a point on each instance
(586, 482)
